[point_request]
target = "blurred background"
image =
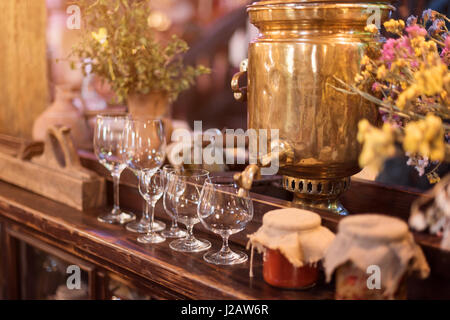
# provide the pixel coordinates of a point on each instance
(35, 36)
(217, 31)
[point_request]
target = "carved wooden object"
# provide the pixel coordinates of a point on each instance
(52, 169)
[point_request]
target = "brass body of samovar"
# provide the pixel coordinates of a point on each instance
(303, 47)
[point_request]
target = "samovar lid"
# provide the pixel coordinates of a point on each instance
(352, 12)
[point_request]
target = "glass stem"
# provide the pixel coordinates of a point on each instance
(174, 224)
(152, 218)
(116, 185)
(146, 215)
(190, 236)
(225, 250)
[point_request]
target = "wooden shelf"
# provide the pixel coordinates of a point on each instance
(176, 275)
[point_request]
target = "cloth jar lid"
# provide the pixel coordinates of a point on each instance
(296, 233)
(291, 220)
(376, 240)
(374, 227)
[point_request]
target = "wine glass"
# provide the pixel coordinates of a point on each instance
(144, 152)
(108, 147)
(151, 188)
(183, 195)
(222, 211)
(142, 225)
(174, 231)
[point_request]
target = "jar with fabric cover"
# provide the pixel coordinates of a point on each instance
(293, 242)
(372, 256)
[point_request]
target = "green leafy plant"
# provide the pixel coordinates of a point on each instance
(119, 46)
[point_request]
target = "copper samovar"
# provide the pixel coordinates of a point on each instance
(303, 47)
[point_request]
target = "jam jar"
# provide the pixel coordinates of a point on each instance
(372, 256)
(292, 242)
(279, 272)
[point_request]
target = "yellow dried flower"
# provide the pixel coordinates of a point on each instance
(365, 61)
(399, 64)
(371, 28)
(394, 26)
(447, 82)
(101, 36)
(418, 52)
(381, 72)
(366, 74)
(406, 96)
(359, 78)
(363, 127)
(401, 101)
(426, 138)
(417, 45)
(430, 81)
(433, 177)
(429, 46)
(378, 144)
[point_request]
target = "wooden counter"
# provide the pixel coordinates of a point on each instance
(111, 251)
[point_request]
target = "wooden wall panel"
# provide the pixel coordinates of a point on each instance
(23, 65)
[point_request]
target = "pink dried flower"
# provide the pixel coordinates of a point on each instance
(388, 51)
(445, 55)
(414, 64)
(404, 43)
(376, 87)
(416, 30)
(396, 48)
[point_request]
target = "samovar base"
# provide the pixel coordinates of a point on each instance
(318, 193)
(334, 206)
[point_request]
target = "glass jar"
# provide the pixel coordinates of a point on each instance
(373, 255)
(351, 284)
(279, 272)
(293, 242)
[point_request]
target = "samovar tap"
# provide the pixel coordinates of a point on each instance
(281, 153)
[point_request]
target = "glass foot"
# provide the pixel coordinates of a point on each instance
(174, 233)
(116, 218)
(151, 238)
(184, 245)
(142, 227)
(229, 258)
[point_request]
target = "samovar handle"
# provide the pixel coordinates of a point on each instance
(240, 93)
